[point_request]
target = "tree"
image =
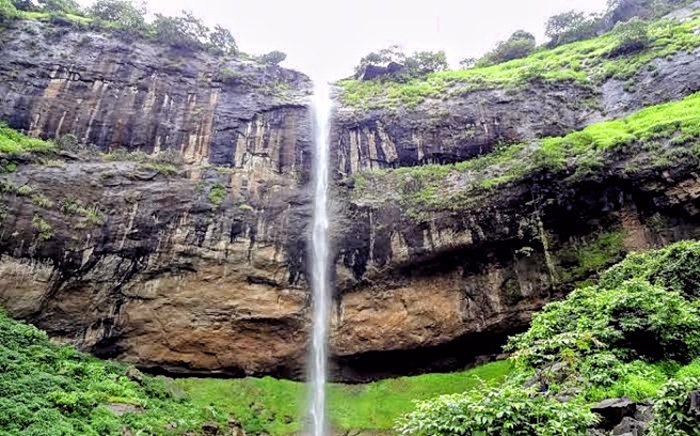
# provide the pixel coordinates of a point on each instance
(467, 63)
(221, 41)
(124, 13)
(632, 36)
(572, 26)
(415, 65)
(392, 53)
(186, 32)
(60, 6)
(425, 62)
(519, 45)
(273, 58)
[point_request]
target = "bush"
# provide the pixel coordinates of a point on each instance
(185, 32)
(634, 320)
(675, 267)
(221, 41)
(519, 45)
(572, 26)
(60, 6)
(273, 58)
(672, 409)
(50, 389)
(416, 65)
(506, 410)
(632, 36)
(122, 13)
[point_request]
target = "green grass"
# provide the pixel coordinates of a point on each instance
(274, 406)
(53, 390)
(583, 61)
(13, 142)
(657, 137)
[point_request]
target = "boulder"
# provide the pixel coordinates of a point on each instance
(613, 411)
(630, 426)
(372, 71)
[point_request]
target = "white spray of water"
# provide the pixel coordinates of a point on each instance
(320, 281)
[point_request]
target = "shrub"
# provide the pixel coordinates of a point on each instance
(60, 6)
(273, 58)
(635, 320)
(506, 410)
(416, 65)
(672, 409)
(185, 32)
(675, 267)
(123, 13)
(222, 42)
(632, 36)
(572, 26)
(519, 45)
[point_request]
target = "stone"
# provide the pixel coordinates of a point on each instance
(210, 428)
(630, 427)
(372, 71)
(613, 411)
(120, 409)
(694, 400)
(135, 375)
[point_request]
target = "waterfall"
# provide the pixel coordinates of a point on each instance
(320, 268)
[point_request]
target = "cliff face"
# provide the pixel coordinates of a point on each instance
(199, 268)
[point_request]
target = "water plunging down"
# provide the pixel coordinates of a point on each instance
(320, 283)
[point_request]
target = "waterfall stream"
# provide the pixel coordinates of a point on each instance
(320, 283)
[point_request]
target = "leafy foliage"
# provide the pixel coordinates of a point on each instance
(572, 26)
(507, 411)
(519, 45)
(273, 58)
(416, 65)
(122, 13)
(50, 389)
(632, 35)
(638, 139)
(7, 10)
(13, 142)
(673, 415)
(675, 267)
(625, 338)
(586, 61)
(634, 320)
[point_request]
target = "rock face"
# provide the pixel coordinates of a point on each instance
(200, 268)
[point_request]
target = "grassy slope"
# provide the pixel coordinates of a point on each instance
(583, 61)
(657, 137)
(274, 405)
(48, 389)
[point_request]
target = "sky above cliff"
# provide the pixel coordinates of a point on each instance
(326, 38)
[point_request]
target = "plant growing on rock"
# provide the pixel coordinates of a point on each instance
(507, 410)
(124, 14)
(7, 11)
(572, 26)
(632, 36)
(519, 45)
(677, 408)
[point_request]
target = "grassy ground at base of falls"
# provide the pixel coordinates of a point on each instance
(274, 406)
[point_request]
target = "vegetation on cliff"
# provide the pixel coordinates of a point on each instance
(636, 334)
(126, 18)
(618, 54)
(49, 389)
(655, 138)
